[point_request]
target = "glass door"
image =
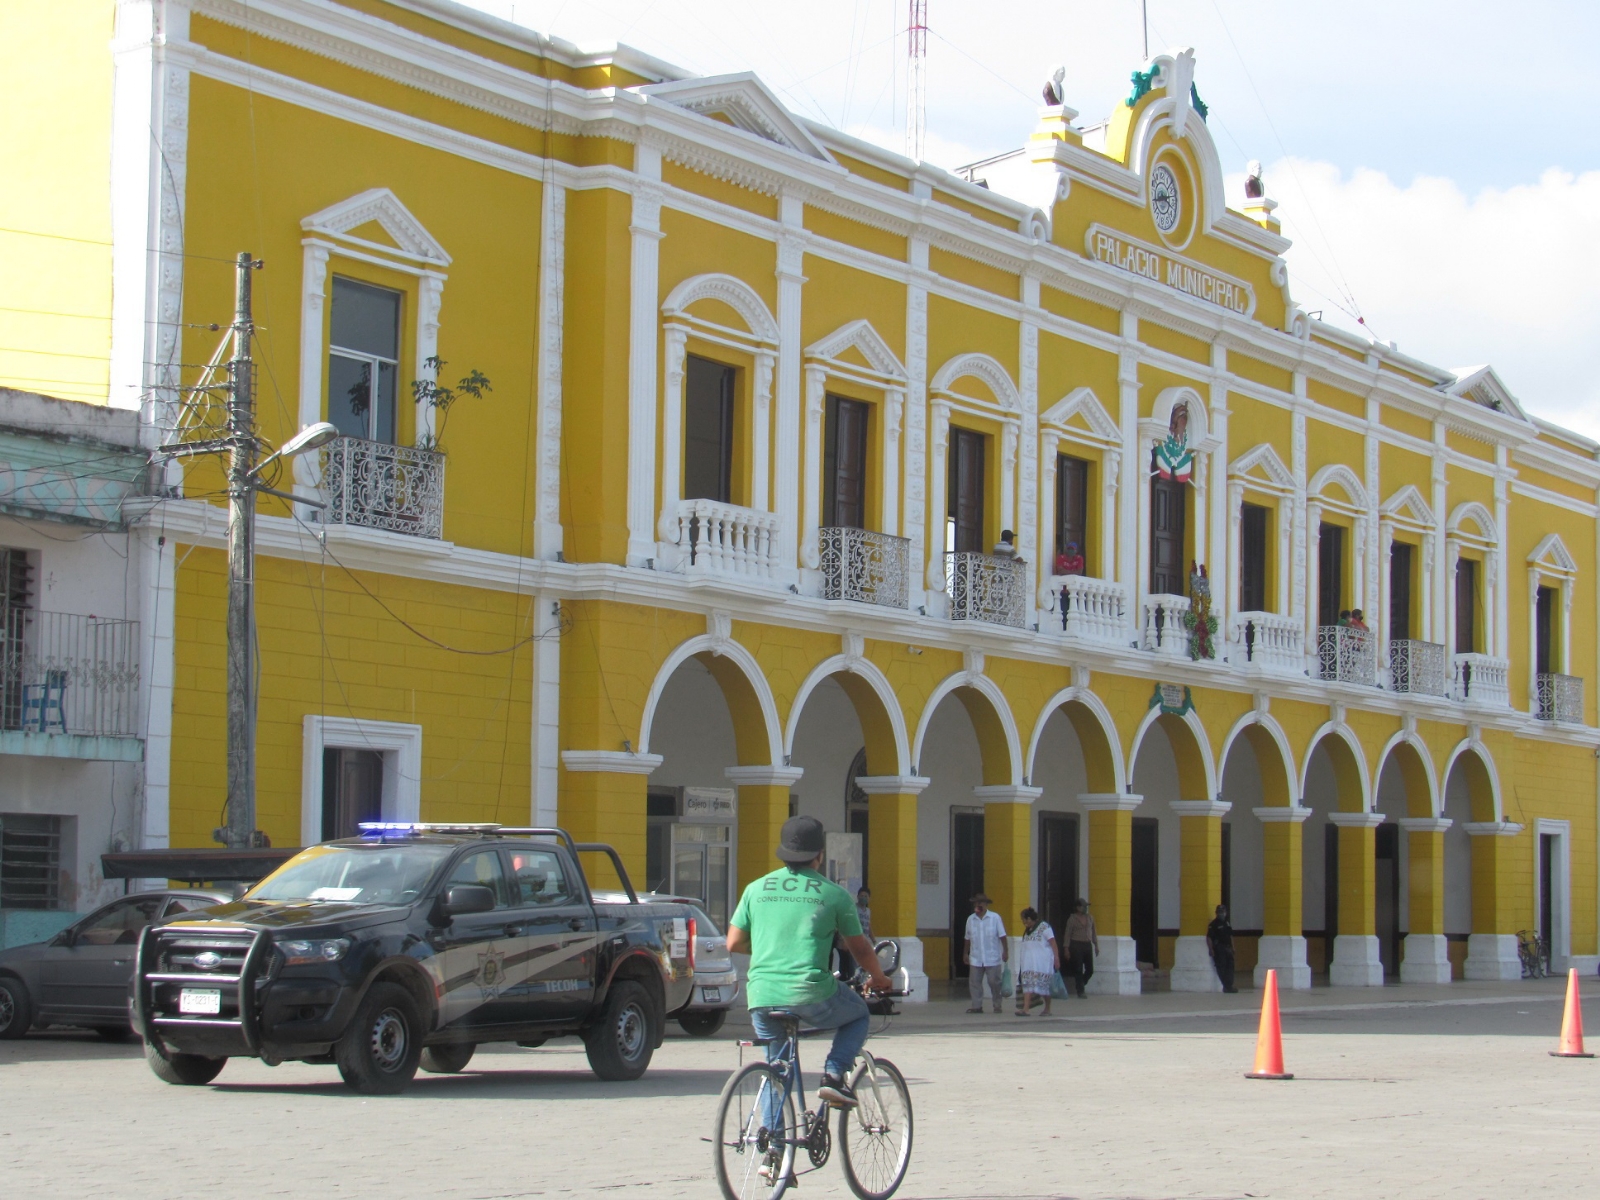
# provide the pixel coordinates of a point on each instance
(702, 862)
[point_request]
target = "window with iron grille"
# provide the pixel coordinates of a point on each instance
(30, 861)
(16, 597)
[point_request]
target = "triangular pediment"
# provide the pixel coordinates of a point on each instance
(859, 344)
(1080, 409)
(1408, 505)
(1483, 386)
(744, 102)
(380, 207)
(1553, 555)
(1262, 465)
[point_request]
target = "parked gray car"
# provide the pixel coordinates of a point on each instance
(716, 981)
(80, 977)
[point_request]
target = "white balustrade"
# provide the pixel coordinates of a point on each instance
(1267, 641)
(1164, 630)
(1091, 609)
(986, 587)
(1560, 697)
(858, 564)
(1480, 679)
(381, 486)
(1417, 667)
(1346, 655)
(726, 539)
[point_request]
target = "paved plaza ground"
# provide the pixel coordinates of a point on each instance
(1399, 1092)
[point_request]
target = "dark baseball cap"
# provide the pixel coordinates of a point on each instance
(803, 838)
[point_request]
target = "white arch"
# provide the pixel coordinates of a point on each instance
(1173, 111)
(1480, 516)
(876, 680)
(735, 293)
(992, 692)
(1472, 745)
(1345, 478)
(979, 366)
(1345, 734)
(1435, 796)
(1102, 714)
(1199, 416)
(1279, 739)
(1197, 727)
(744, 660)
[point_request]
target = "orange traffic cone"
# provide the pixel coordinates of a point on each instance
(1572, 1023)
(1269, 1041)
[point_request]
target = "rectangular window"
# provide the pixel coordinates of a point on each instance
(965, 492)
(352, 791)
(16, 597)
(1168, 516)
(1252, 558)
(30, 861)
(1544, 637)
(1072, 510)
(844, 464)
(1330, 573)
(1399, 591)
(363, 359)
(1466, 605)
(708, 431)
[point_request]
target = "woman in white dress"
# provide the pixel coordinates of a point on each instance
(1037, 963)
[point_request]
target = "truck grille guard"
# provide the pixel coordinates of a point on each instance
(166, 964)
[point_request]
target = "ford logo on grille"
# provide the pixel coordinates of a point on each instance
(208, 960)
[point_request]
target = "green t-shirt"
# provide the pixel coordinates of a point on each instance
(791, 917)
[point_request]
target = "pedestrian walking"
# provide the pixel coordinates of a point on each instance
(1219, 940)
(986, 952)
(1083, 943)
(1038, 960)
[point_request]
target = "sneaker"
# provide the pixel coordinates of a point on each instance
(836, 1092)
(975, 1010)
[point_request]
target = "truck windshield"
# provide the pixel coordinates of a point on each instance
(378, 874)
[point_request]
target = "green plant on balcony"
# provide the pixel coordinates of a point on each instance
(441, 400)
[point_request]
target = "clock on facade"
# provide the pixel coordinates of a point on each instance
(1165, 203)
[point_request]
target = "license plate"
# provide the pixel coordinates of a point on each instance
(712, 995)
(203, 1001)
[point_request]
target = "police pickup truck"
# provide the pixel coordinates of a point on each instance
(410, 946)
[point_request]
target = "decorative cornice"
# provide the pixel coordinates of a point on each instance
(617, 762)
(1424, 824)
(1355, 820)
(1200, 808)
(1109, 801)
(763, 776)
(1491, 828)
(892, 785)
(1281, 814)
(1007, 793)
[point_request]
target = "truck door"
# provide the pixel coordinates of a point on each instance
(552, 907)
(479, 959)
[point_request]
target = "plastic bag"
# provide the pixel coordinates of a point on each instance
(1005, 981)
(1058, 987)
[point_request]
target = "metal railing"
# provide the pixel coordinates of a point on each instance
(1162, 625)
(1270, 641)
(1417, 667)
(727, 539)
(858, 564)
(380, 486)
(1480, 679)
(1092, 609)
(986, 587)
(1560, 697)
(1345, 655)
(61, 673)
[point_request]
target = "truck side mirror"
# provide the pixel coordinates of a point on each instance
(466, 898)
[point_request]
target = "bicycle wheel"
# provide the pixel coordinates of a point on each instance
(875, 1136)
(755, 1129)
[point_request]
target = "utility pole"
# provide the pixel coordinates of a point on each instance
(240, 832)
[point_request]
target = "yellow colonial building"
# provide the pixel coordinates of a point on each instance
(1016, 521)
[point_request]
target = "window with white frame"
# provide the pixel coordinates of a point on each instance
(364, 359)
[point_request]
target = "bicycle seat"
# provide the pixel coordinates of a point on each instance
(783, 1016)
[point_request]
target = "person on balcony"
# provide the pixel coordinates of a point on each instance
(1006, 547)
(1344, 618)
(1358, 620)
(1070, 560)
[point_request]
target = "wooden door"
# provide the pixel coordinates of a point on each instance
(1330, 573)
(1399, 591)
(1167, 520)
(1466, 606)
(1058, 869)
(844, 464)
(1072, 505)
(1144, 886)
(1252, 558)
(708, 431)
(966, 489)
(966, 878)
(1543, 630)
(352, 791)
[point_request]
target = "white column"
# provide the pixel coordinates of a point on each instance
(1356, 960)
(811, 510)
(1452, 555)
(1049, 441)
(643, 322)
(313, 303)
(1111, 463)
(1444, 577)
(786, 463)
(1025, 453)
(547, 531)
(938, 438)
(1310, 566)
(1133, 523)
(1381, 626)
(1533, 640)
(761, 433)
(1500, 571)
(1493, 642)
(546, 708)
(1202, 487)
(1288, 600)
(1428, 606)
(1008, 478)
(430, 299)
(1358, 564)
(1377, 562)
(916, 517)
(672, 436)
(1232, 568)
(894, 407)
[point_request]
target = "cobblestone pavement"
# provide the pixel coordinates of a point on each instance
(1403, 1091)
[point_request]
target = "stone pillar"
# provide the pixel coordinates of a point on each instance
(892, 869)
(1199, 891)
(1426, 958)
(1116, 973)
(1355, 951)
(1008, 850)
(1492, 946)
(602, 799)
(763, 808)
(1283, 943)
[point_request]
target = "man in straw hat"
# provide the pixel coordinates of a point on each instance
(785, 922)
(986, 952)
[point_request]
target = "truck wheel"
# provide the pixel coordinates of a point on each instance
(623, 1039)
(190, 1070)
(378, 1053)
(16, 1009)
(447, 1060)
(703, 1022)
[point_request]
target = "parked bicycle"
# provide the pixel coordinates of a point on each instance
(1534, 951)
(764, 1126)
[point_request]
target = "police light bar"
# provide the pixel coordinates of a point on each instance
(425, 827)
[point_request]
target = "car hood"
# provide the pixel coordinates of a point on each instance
(282, 914)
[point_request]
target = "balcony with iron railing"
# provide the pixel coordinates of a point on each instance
(376, 485)
(67, 674)
(1091, 609)
(1345, 655)
(986, 587)
(1560, 697)
(1267, 641)
(867, 567)
(716, 538)
(1417, 668)
(1161, 625)
(1480, 679)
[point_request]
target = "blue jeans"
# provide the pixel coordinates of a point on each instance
(845, 1012)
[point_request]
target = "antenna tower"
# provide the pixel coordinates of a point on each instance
(916, 79)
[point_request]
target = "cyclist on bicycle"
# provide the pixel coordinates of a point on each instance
(786, 922)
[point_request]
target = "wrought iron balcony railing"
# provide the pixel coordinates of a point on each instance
(1162, 625)
(986, 587)
(380, 486)
(1345, 655)
(61, 673)
(1560, 697)
(1417, 667)
(1480, 679)
(1269, 641)
(1091, 609)
(858, 564)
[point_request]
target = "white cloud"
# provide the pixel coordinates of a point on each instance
(1508, 276)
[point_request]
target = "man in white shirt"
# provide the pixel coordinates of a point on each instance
(985, 951)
